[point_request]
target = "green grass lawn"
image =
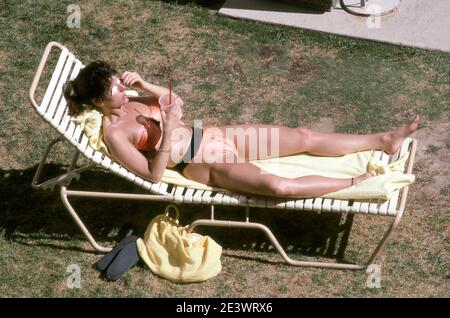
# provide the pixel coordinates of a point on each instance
(228, 72)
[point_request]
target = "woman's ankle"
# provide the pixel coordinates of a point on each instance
(361, 178)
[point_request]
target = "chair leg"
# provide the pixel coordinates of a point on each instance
(49, 183)
(64, 179)
(280, 250)
(221, 223)
(80, 223)
(386, 236)
(65, 193)
(274, 241)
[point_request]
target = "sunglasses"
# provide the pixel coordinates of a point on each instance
(115, 87)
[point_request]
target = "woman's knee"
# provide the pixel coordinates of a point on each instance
(278, 187)
(305, 136)
(305, 132)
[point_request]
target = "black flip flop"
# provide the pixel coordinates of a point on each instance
(127, 258)
(106, 260)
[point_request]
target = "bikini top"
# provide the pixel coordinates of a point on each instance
(150, 135)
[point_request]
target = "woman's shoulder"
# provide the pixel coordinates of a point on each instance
(123, 127)
(114, 130)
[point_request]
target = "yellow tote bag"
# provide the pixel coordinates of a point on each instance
(172, 253)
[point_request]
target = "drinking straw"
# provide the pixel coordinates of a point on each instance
(170, 91)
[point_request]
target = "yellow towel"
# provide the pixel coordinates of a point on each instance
(172, 253)
(91, 123)
(388, 178)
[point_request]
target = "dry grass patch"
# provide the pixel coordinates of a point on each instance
(4, 60)
(432, 168)
(301, 51)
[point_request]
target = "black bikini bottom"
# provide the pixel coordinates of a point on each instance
(194, 144)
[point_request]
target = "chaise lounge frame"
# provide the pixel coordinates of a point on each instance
(53, 109)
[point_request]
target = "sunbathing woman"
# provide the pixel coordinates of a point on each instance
(147, 139)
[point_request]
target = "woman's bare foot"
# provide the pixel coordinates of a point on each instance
(392, 140)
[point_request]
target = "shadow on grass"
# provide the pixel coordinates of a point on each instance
(39, 218)
(210, 4)
(292, 6)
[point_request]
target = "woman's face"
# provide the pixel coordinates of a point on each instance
(115, 96)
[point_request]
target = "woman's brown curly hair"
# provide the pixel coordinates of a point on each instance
(91, 83)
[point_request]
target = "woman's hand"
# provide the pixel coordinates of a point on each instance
(132, 79)
(171, 116)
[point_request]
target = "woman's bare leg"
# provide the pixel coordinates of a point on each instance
(341, 144)
(289, 141)
(248, 178)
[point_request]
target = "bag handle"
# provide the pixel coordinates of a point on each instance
(166, 212)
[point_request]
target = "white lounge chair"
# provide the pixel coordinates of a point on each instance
(53, 109)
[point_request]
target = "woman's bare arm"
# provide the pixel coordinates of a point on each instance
(149, 168)
(155, 90)
(133, 79)
(125, 153)
(147, 100)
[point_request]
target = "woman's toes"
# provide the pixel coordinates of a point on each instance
(393, 139)
(414, 125)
